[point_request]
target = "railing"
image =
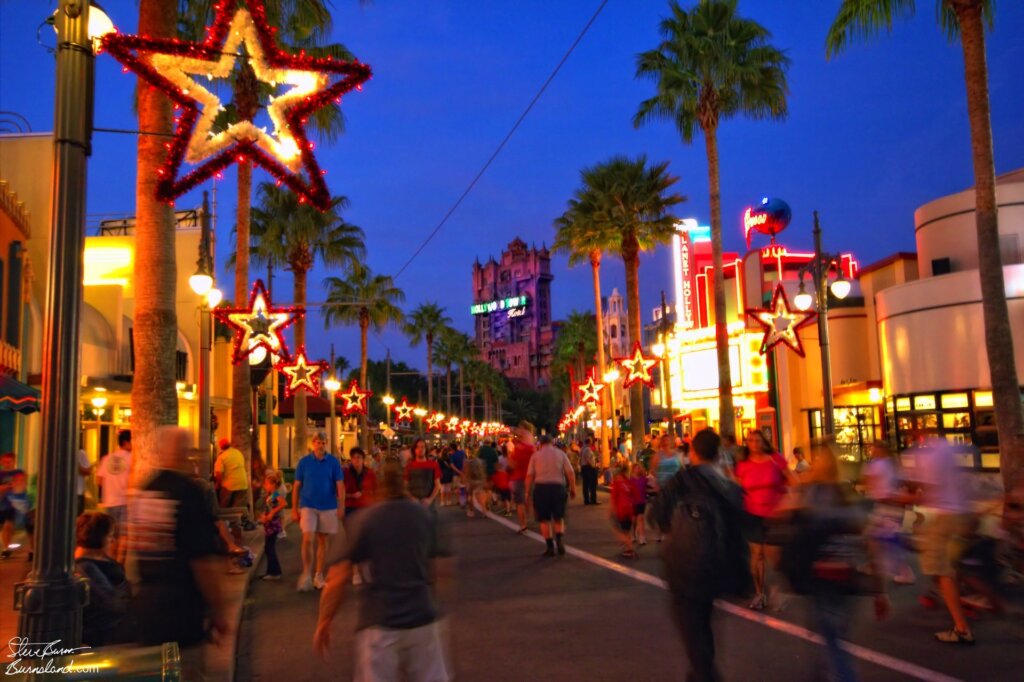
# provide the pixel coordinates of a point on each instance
(10, 359)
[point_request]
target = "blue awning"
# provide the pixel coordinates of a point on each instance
(18, 397)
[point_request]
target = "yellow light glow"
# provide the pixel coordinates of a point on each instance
(388, 400)
(612, 375)
(99, 401)
(983, 398)
(107, 265)
(658, 349)
(875, 395)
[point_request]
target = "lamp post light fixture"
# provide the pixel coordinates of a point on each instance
(50, 599)
(202, 284)
(818, 269)
(333, 386)
(388, 401)
(420, 414)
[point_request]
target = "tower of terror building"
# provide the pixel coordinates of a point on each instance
(512, 313)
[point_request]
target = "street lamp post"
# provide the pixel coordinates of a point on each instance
(818, 269)
(665, 366)
(388, 401)
(610, 377)
(50, 599)
(332, 385)
(420, 414)
(202, 284)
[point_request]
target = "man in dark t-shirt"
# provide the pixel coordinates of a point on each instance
(397, 627)
(171, 536)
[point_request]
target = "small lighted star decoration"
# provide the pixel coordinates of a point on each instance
(356, 399)
(302, 375)
(169, 64)
(781, 323)
(403, 411)
(638, 367)
(433, 422)
(260, 325)
(590, 391)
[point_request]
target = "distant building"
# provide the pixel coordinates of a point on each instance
(512, 313)
(616, 326)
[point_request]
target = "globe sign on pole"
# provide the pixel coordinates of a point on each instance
(770, 217)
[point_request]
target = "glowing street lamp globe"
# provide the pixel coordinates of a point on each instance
(612, 375)
(388, 400)
(201, 282)
(840, 288)
(803, 300)
(332, 384)
(213, 298)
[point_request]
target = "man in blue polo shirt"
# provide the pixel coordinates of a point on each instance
(318, 501)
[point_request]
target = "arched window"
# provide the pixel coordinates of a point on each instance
(615, 332)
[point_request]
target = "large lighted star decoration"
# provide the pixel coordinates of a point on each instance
(302, 375)
(403, 411)
(638, 367)
(434, 421)
(356, 399)
(781, 323)
(260, 325)
(590, 391)
(169, 64)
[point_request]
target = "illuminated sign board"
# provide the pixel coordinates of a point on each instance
(770, 218)
(688, 233)
(509, 304)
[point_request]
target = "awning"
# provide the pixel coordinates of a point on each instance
(18, 397)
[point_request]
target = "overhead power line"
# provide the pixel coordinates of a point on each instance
(504, 141)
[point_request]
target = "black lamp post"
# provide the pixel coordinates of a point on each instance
(818, 269)
(50, 599)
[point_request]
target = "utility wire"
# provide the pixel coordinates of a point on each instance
(501, 146)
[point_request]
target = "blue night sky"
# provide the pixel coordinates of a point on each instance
(870, 136)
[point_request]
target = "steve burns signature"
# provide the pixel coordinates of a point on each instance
(37, 657)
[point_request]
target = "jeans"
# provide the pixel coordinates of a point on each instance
(589, 476)
(833, 615)
(270, 549)
(693, 618)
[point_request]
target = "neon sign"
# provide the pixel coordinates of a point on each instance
(503, 304)
(770, 218)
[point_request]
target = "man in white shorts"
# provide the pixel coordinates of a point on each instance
(318, 501)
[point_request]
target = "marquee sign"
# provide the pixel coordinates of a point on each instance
(684, 242)
(509, 304)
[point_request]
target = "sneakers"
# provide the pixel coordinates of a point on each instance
(905, 577)
(561, 548)
(305, 583)
(760, 601)
(954, 636)
(272, 578)
(550, 551)
(318, 581)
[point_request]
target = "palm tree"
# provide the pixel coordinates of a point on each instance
(341, 367)
(303, 25)
(154, 324)
(966, 19)
(425, 323)
(447, 348)
(366, 300)
(583, 235)
(297, 234)
(631, 201)
(711, 65)
(465, 352)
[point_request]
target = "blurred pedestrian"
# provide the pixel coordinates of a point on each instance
(8, 513)
(639, 483)
(881, 481)
(522, 450)
(548, 474)
(588, 471)
(230, 477)
(621, 510)
(318, 502)
(423, 475)
(765, 478)
(171, 534)
(699, 511)
(83, 469)
(398, 634)
(276, 502)
(110, 593)
(113, 474)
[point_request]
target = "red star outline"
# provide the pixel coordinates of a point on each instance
(247, 338)
(631, 363)
(403, 411)
(129, 49)
(768, 318)
(356, 400)
(302, 374)
(590, 390)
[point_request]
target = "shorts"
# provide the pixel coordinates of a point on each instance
(120, 514)
(233, 499)
(625, 525)
(549, 501)
(505, 494)
(318, 520)
(942, 542)
(385, 653)
(518, 490)
(639, 508)
(755, 529)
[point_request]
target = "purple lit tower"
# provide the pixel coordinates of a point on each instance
(512, 314)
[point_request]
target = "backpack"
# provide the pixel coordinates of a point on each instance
(704, 551)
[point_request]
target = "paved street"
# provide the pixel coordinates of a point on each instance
(517, 616)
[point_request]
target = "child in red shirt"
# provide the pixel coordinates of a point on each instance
(503, 488)
(622, 510)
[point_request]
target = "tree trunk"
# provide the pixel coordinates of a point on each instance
(998, 334)
(631, 259)
(726, 413)
(155, 322)
(449, 382)
(595, 265)
(364, 426)
(430, 371)
(462, 392)
(301, 440)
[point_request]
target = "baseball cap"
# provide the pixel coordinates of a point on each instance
(223, 443)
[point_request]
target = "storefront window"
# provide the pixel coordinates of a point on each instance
(856, 429)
